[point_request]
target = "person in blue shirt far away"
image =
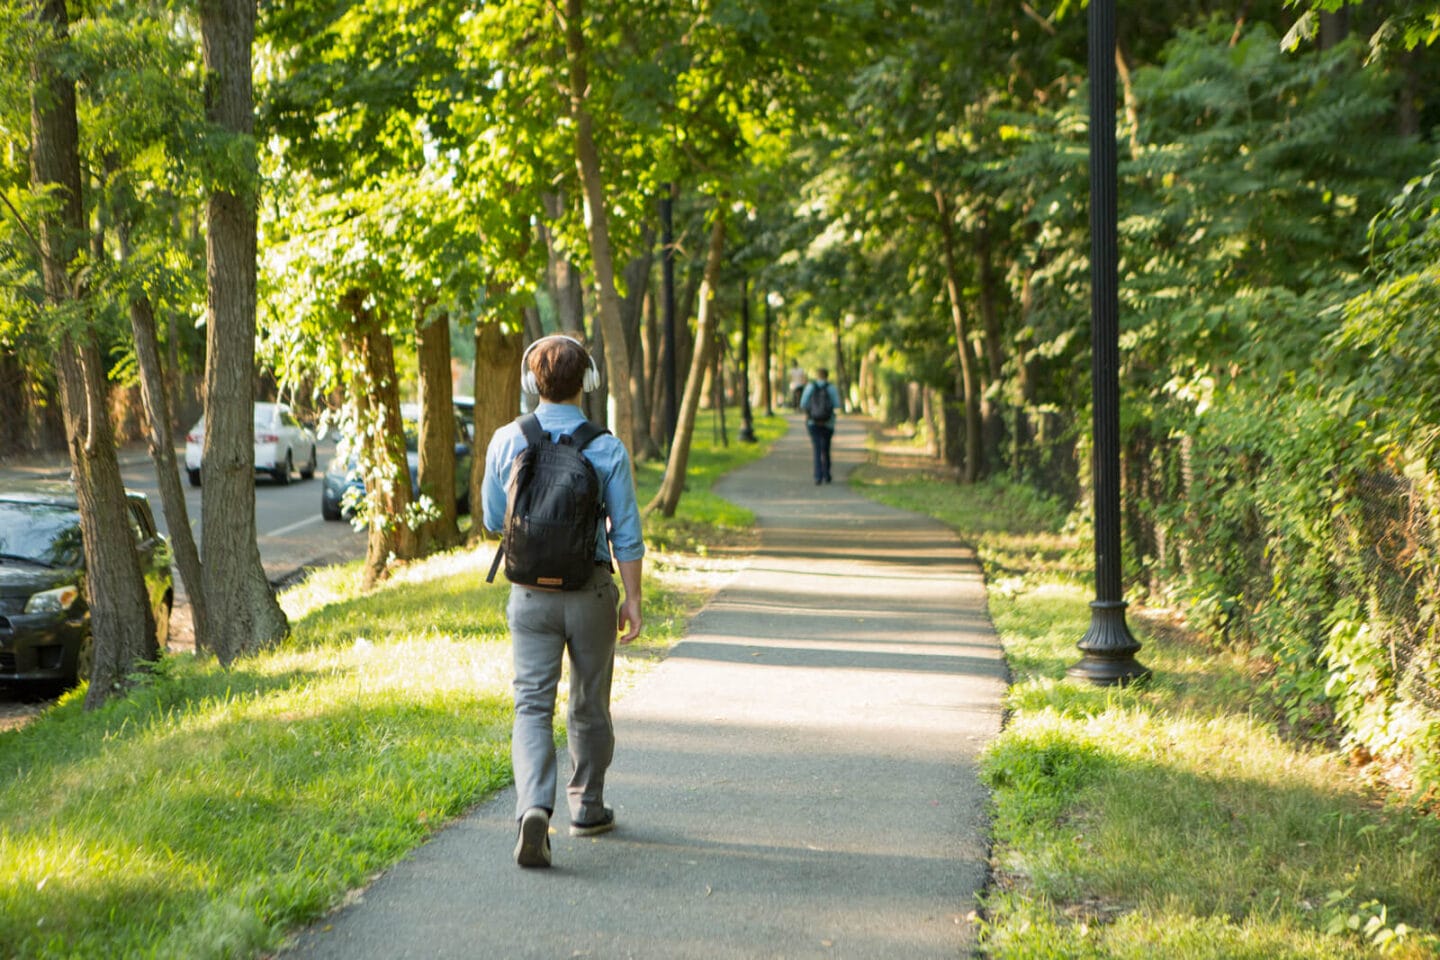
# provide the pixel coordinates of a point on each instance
(545, 624)
(820, 401)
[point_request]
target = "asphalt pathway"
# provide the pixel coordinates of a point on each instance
(797, 779)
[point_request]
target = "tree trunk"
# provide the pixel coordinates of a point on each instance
(667, 498)
(437, 431)
(968, 375)
(156, 397)
(243, 614)
(717, 380)
(375, 389)
(637, 275)
(1334, 28)
(767, 385)
(497, 365)
(561, 275)
(122, 623)
(597, 222)
(992, 413)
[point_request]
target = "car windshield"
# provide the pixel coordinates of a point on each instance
(264, 416)
(41, 532)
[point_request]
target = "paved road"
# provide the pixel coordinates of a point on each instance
(796, 780)
(289, 529)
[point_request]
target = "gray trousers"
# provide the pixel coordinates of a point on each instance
(544, 624)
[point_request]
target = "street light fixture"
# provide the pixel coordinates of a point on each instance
(1108, 647)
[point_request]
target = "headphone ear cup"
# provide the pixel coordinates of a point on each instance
(592, 378)
(527, 382)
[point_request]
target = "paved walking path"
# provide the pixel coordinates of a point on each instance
(797, 779)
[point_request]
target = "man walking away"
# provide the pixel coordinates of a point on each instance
(573, 607)
(820, 400)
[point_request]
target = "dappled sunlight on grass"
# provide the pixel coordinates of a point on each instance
(211, 810)
(1171, 818)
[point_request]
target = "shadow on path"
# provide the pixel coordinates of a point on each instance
(797, 779)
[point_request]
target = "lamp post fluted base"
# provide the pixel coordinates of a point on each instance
(1109, 649)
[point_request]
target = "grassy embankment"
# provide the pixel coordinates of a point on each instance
(1170, 820)
(211, 810)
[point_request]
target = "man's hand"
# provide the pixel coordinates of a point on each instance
(630, 620)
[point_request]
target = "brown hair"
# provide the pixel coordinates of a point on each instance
(559, 365)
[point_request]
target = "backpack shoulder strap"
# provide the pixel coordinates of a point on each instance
(535, 436)
(585, 433)
(530, 426)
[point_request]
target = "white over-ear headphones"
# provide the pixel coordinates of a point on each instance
(527, 376)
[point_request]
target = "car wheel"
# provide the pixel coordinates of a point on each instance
(309, 471)
(194, 477)
(328, 510)
(283, 474)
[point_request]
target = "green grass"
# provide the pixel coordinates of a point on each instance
(1171, 819)
(211, 811)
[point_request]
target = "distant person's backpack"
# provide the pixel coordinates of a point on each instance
(820, 408)
(553, 507)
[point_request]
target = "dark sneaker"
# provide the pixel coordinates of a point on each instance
(594, 828)
(532, 847)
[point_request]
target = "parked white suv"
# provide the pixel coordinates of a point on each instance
(281, 441)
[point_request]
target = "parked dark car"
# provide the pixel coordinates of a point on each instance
(44, 616)
(343, 474)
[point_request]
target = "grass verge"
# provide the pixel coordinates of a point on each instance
(212, 810)
(1170, 820)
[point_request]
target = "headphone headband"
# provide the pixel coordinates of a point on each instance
(527, 376)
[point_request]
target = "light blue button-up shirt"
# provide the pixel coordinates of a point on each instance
(812, 386)
(612, 465)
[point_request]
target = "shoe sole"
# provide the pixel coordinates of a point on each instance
(531, 849)
(593, 830)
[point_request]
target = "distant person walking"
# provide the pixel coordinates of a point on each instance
(563, 599)
(820, 400)
(797, 384)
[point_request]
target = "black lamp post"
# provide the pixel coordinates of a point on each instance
(1108, 647)
(747, 420)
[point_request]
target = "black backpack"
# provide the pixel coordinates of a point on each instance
(820, 407)
(553, 507)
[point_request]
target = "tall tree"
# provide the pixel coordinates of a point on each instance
(244, 615)
(630, 401)
(667, 498)
(122, 623)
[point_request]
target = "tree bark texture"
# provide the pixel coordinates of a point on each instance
(628, 394)
(243, 614)
(969, 379)
(497, 397)
(156, 398)
(437, 431)
(375, 390)
(637, 275)
(992, 413)
(121, 618)
(667, 498)
(562, 277)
